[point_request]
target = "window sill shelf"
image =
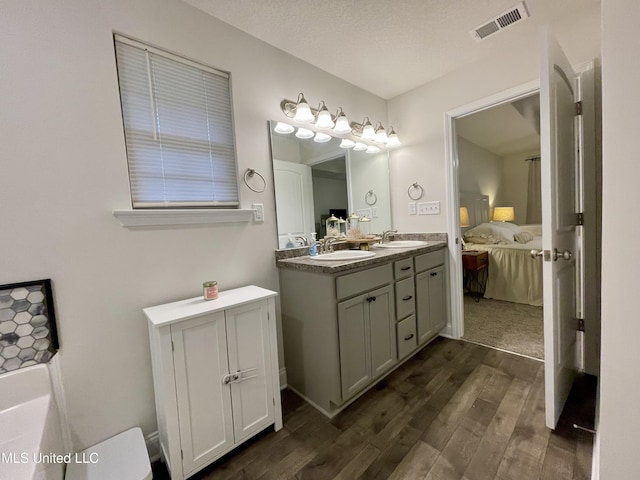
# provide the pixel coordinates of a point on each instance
(154, 218)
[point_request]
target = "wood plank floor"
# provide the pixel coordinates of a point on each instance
(456, 411)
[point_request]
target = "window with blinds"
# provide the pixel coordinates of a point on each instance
(178, 128)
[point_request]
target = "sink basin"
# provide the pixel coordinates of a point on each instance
(343, 255)
(402, 244)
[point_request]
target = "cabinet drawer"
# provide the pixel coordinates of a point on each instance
(405, 298)
(403, 268)
(407, 341)
(429, 260)
(359, 282)
(474, 260)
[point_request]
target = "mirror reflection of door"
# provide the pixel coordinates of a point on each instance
(294, 209)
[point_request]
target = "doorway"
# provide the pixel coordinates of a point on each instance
(500, 223)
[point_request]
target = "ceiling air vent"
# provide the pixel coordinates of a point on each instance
(502, 21)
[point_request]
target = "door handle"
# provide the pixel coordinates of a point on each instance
(566, 254)
(409, 337)
(408, 297)
(535, 253)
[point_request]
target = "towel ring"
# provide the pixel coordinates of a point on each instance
(370, 198)
(418, 188)
(250, 173)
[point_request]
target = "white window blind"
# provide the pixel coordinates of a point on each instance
(178, 128)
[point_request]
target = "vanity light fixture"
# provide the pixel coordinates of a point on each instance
(324, 120)
(359, 147)
(346, 143)
(283, 128)
(321, 137)
(301, 112)
(304, 133)
(342, 123)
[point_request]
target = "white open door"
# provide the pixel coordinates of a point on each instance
(294, 209)
(560, 184)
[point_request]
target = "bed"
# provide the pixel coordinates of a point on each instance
(513, 275)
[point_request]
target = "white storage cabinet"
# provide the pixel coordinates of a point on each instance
(215, 373)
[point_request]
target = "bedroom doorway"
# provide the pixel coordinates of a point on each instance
(499, 193)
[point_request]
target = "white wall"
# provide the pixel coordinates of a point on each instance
(516, 183)
(418, 115)
(63, 169)
(480, 171)
(619, 390)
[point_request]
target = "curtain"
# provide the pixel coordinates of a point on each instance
(534, 193)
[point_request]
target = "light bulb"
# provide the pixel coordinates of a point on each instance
(304, 133)
(283, 128)
(324, 118)
(359, 147)
(381, 135)
(342, 123)
(372, 149)
(346, 143)
(321, 137)
(368, 133)
(303, 111)
(393, 140)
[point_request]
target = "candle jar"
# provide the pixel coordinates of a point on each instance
(333, 226)
(210, 290)
(365, 227)
(354, 227)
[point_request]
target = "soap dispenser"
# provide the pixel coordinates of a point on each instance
(313, 245)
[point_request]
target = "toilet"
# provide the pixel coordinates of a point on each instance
(123, 457)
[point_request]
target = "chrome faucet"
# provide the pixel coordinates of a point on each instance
(303, 240)
(385, 235)
(326, 244)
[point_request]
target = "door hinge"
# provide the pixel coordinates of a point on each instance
(578, 106)
(173, 348)
(181, 454)
(579, 218)
(580, 322)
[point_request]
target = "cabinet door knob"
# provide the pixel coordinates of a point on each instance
(408, 297)
(374, 299)
(409, 337)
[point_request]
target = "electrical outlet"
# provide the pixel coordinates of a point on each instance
(258, 212)
(412, 208)
(429, 208)
(364, 212)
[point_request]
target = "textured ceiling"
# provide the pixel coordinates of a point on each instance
(390, 47)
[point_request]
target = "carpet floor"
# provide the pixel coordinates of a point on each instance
(514, 327)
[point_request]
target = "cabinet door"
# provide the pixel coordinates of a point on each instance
(355, 351)
(430, 303)
(204, 403)
(437, 303)
(382, 328)
(250, 358)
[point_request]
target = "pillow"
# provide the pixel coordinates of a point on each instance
(487, 233)
(535, 229)
(507, 225)
(523, 237)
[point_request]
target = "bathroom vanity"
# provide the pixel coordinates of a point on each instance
(347, 324)
(215, 374)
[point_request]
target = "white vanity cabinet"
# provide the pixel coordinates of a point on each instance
(431, 297)
(215, 371)
(367, 339)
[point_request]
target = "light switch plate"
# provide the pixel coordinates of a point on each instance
(429, 208)
(258, 212)
(374, 212)
(412, 208)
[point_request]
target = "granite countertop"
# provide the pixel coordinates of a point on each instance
(383, 255)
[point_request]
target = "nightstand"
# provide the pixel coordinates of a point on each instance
(476, 271)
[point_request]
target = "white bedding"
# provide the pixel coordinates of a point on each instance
(513, 275)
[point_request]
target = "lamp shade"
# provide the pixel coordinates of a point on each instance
(303, 111)
(503, 214)
(464, 217)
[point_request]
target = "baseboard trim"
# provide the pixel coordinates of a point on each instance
(153, 446)
(283, 378)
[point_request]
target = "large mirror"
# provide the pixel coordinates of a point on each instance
(314, 180)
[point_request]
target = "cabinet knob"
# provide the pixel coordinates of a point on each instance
(404, 269)
(408, 297)
(409, 337)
